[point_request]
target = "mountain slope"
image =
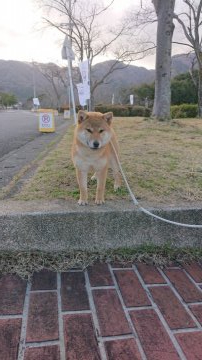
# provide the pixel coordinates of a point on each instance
(17, 77)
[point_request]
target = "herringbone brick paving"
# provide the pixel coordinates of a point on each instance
(106, 312)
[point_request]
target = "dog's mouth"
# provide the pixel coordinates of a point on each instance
(94, 148)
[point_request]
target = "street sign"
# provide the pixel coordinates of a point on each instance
(46, 120)
(36, 101)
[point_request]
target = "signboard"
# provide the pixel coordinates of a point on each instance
(81, 93)
(66, 114)
(36, 102)
(84, 87)
(46, 120)
(131, 99)
(83, 66)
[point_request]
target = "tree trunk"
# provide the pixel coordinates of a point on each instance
(165, 11)
(200, 86)
(92, 103)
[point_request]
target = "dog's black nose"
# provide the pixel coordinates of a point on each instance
(96, 144)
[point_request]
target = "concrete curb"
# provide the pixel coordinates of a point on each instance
(61, 225)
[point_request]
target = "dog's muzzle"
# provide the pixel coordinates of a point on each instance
(96, 145)
(93, 146)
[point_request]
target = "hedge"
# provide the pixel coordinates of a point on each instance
(124, 110)
(177, 111)
(184, 111)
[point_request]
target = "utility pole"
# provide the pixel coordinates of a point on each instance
(36, 103)
(33, 76)
(71, 96)
(68, 54)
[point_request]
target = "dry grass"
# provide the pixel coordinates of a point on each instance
(26, 263)
(162, 162)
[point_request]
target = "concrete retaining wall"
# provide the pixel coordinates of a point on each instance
(60, 226)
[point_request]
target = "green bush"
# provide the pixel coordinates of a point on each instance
(183, 90)
(124, 110)
(118, 110)
(147, 112)
(184, 111)
(139, 111)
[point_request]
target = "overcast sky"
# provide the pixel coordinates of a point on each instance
(21, 39)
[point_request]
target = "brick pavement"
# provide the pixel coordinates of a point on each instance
(106, 312)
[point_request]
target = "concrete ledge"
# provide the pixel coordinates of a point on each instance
(60, 225)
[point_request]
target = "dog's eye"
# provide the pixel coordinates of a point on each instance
(89, 130)
(101, 130)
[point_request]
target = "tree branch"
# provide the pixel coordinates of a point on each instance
(190, 39)
(185, 44)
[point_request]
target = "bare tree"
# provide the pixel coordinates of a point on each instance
(84, 22)
(165, 13)
(56, 79)
(190, 21)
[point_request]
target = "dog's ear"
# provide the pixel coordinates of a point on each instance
(82, 115)
(108, 117)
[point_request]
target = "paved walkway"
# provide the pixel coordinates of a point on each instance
(106, 312)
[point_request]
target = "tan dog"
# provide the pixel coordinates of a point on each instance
(92, 149)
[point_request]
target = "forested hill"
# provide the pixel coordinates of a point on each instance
(17, 77)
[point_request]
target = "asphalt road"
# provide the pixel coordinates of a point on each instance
(21, 142)
(18, 127)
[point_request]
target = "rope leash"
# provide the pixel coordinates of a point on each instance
(147, 212)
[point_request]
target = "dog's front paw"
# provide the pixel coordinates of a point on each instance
(117, 184)
(117, 187)
(82, 202)
(93, 178)
(99, 201)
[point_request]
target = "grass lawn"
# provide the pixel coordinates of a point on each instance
(162, 162)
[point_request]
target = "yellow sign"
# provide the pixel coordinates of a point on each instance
(46, 120)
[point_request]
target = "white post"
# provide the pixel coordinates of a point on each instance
(71, 86)
(90, 100)
(68, 54)
(71, 102)
(33, 76)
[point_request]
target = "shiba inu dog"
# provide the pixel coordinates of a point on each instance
(92, 149)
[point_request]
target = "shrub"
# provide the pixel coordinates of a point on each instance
(147, 112)
(124, 110)
(118, 110)
(184, 111)
(139, 111)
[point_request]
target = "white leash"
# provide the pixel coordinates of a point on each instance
(145, 210)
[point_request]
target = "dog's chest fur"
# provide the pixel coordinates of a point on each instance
(85, 158)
